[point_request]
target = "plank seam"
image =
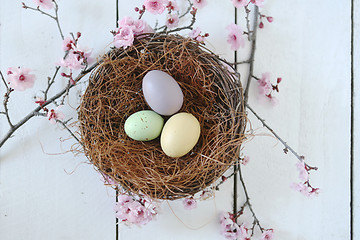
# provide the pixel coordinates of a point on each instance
(352, 126)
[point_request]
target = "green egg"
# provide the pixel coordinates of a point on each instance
(144, 125)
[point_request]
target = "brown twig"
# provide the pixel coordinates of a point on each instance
(247, 18)
(64, 124)
(50, 83)
(287, 147)
(226, 178)
(187, 10)
(242, 62)
(252, 53)
(36, 111)
(247, 203)
(56, 17)
(6, 100)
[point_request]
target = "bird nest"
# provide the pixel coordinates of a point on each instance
(212, 93)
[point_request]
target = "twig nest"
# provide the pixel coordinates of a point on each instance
(212, 93)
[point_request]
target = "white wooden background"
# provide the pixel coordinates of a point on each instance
(46, 195)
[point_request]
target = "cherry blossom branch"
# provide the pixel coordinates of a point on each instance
(50, 83)
(287, 147)
(252, 53)
(224, 178)
(64, 124)
(190, 26)
(247, 203)
(36, 111)
(187, 10)
(6, 100)
(242, 62)
(56, 17)
(247, 18)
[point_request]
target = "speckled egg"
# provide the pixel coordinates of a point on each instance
(180, 134)
(162, 93)
(144, 125)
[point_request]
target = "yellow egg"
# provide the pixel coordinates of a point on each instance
(180, 134)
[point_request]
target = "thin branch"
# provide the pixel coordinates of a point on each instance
(187, 10)
(4, 81)
(256, 78)
(287, 147)
(226, 178)
(247, 203)
(35, 112)
(38, 10)
(247, 18)
(69, 130)
(252, 54)
(242, 62)
(56, 17)
(50, 83)
(6, 100)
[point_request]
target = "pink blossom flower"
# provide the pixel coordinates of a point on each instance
(267, 235)
(303, 173)
(314, 192)
(84, 53)
(20, 79)
(259, 3)
(132, 211)
(235, 37)
(206, 194)
(128, 29)
(172, 21)
(138, 214)
(244, 232)
(172, 5)
(107, 179)
(195, 33)
(47, 4)
(126, 21)
(124, 38)
(305, 189)
(155, 6)
(273, 100)
(229, 229)
(72, 61)
(68, 44)
(199, 3)
(265, 86)
(245, 160)
(124, 198)
(40, 101)
(300, 187)
(138, 26)
(189, 203)
(55, 114)
(240, 3)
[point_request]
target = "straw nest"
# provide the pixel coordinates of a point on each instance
(212, 93)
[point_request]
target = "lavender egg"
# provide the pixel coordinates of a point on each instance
(162, 93)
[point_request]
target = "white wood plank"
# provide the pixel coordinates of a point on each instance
(311, 52)
(356, 129)
(39, 198)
